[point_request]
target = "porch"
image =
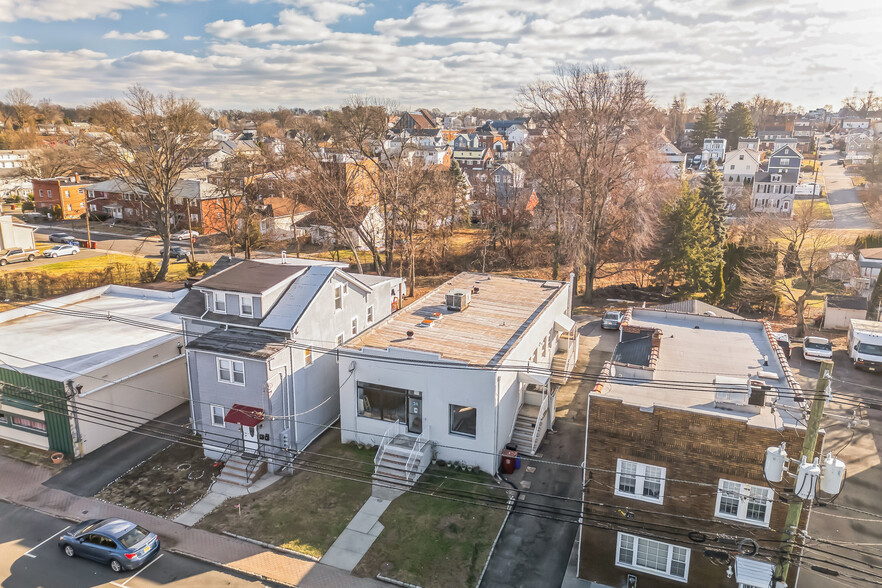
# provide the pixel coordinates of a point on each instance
(401, 459)
(535, 414)
(243, 457)
(564, 359)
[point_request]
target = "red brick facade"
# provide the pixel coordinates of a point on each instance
(68, 194)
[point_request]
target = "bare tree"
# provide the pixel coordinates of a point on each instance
(61, 160)
(863, 104)
(236, 207)
(718, 102)
(150, 142)
(22, 103)
(599, 119)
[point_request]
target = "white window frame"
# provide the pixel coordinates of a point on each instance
(220, 424)
(633, 565)
(370, 314)
(640, 478)
(744, 500)
(338, 297)
(250, 300)
(220, 302)
(354, 326)
(340, 339)
(231, 368)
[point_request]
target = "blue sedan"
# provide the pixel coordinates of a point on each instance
(121, 544)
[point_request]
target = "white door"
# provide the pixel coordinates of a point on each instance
(249, 436)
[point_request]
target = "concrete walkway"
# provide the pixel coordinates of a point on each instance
(22, 484)
(358, 536)
(217, 494)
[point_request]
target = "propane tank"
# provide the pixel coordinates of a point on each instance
(776, 461)
(832, 475)
(807, 479)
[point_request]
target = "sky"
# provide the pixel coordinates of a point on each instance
(452, 54)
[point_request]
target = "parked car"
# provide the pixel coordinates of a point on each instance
(612, 319)
(184, 235)
(119, 543)
(178, 253)
(17, 254)
(61, 238)
(783, 341)
(817, 349)
(61, 250)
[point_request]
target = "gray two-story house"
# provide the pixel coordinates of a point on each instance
(774, 187)
(261, 339)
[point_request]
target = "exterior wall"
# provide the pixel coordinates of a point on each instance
(71, 198)
(840, 318)
(50, 396)
(738, 170)
(12, 235)
(694, 447)
(775, 198)
(12, 158)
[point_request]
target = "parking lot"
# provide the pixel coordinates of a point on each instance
(30, 557)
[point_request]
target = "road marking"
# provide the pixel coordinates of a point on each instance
(130, 578)
(52, 536)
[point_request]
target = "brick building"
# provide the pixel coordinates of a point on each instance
(674, 451)
(68, 194)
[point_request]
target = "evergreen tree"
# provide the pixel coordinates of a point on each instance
(676, 122)
(737, 124)
(711, 192)
(706, 127)
(718, 293)
(689, 252)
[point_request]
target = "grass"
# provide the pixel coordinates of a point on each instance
(434, 542)
(176, 271)
(165, 484)
(822, 210)
(305, 512)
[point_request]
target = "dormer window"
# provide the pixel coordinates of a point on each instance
(246, 306)
(338, 296)
(220, 303)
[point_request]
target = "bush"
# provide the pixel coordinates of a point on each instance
(147, 272)
(27, 206)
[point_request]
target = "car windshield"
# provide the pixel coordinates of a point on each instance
(133, 537)
(819, 345)
(613, 316)
(869, 349)
(88, 528)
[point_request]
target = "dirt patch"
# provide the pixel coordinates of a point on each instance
(33, 456)
(164, 485)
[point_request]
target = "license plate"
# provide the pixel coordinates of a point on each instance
(872, 369)
(146, 549)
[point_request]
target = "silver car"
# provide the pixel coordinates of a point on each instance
(61, 250)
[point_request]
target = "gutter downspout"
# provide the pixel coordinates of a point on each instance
(73, 407)
(292, 440)
(189, 378)
(496, 419)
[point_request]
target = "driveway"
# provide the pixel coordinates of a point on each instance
(534, 551)
(86, 476)
(860, 449)
(848, 210)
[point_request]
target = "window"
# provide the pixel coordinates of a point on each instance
(339, 339)
(195, 217)
(744, 502)
(785, 161)
(338, 296)
(230, 371)
(68, 208)
(41, 193)
(355, 325)
(463, 420)
(383, 403)
(345, 288)
(640, 481)
(370, 314)
(246, 306)
(307, 356)
(220, 303)
(741, 157)
(217, 415)
(67, 193)
(26, 423)
(653, 557)
(732, 166)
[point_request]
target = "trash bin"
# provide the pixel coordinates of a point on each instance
(518, 463)
(508, 461)
(511, 446)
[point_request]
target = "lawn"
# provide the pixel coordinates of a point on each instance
(307, 511)
(822, 210)
(435, 542)
(126, 263)
(165, 484)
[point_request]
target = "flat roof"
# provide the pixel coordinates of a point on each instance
(498, 315)
(697, 349)
(250, 277)
(63, 342)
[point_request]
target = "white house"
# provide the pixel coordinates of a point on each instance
(740, 165)
(460, 373)
(81, 370)
(858, 147)
(675, 160)
(856, 123)
(12, 158)
(713, 148)
(15, 235)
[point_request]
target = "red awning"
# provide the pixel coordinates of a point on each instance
(247, 416)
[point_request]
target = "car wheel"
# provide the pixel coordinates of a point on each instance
(69, 551)
(116, 566)
(30, 258)
(4, 262)
(54, 255)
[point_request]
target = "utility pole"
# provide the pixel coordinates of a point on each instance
(794, 512)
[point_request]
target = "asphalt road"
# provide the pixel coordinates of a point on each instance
(860, 449)
(848, 210)
(30, 558)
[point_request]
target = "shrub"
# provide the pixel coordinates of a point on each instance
(27, 206)
(147, 272)
(193, 268)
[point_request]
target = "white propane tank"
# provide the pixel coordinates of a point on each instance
(807, 479)
(832, 475)
(776, 460)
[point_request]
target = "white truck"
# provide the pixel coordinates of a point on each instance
(865, 344)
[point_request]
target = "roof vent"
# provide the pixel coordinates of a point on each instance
(410, 334)
(458, 300)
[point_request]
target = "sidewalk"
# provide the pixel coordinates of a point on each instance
(21, 484)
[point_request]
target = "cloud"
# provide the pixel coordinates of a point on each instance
(154, 35)
(22, 40)
(53, 10)
(330, 11)
(192, 37)
(293, 26)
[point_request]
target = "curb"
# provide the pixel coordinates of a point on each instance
(228, 567)
(276, 548)
(395, 582)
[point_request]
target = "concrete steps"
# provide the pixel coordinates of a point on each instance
(525, 425)
(390, 475)
(236, 472)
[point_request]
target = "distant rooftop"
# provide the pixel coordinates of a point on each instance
(847, 302)
(696, 354)
(64, 343)
(498, 315)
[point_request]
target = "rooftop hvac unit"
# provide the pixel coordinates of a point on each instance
(758, 392)
(458, 300)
